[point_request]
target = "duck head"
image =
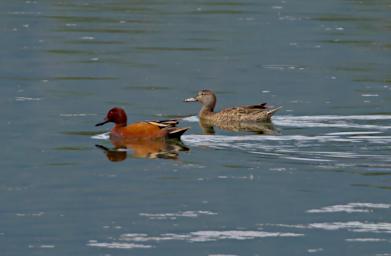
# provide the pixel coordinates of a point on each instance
(206, 97)
(115, 115)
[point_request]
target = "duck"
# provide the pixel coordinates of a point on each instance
(163, 129)
(250, 113)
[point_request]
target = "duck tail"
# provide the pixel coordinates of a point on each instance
(176, 133)
(271, 112)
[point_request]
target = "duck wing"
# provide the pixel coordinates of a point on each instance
(244, 110)
(164, 123)
(169, 125)
(249, 113)
(257, 106)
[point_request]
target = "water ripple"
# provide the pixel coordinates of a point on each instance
(139, 240)
(352, 226)
(332, 121)
(350, 208)
(116, 245)
(174, 216)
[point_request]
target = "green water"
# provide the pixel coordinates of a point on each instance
(318, 185)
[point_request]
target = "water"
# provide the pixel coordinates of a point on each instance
(319, 185)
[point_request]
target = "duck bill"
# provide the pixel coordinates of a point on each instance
(190, 100)
(102, 123)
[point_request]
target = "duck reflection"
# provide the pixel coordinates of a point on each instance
(159, 148)
(265, 128)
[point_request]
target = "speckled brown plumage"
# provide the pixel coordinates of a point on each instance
(250, 113)
(266, 128)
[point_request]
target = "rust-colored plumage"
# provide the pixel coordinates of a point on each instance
(141, 130)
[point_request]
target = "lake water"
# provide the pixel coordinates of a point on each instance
(319, 185)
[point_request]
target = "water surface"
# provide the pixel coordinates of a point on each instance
(320, 185)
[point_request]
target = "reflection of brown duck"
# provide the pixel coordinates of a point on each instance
(113, 154)
(159, 148)
(251, 113)
(265, 128)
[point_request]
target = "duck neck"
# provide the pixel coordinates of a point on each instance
(206, 110)
(120, 125)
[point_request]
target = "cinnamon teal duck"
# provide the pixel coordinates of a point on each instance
(250, 113)
(141, 130)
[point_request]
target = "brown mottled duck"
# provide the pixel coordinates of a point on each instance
(250, 113)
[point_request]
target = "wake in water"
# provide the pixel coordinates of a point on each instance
(334, 121)
(358, 141)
